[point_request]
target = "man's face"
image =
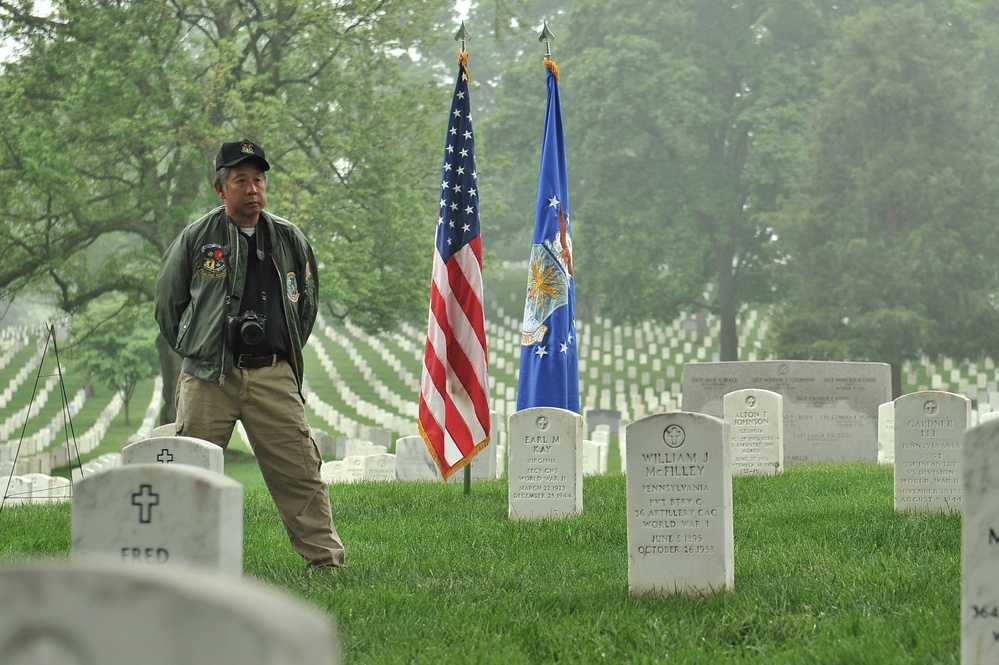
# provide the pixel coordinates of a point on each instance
(244, 193)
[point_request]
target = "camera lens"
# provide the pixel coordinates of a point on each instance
(251, 332)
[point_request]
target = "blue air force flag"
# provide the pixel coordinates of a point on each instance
(549, 364)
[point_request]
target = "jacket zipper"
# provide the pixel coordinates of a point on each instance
(228, 299)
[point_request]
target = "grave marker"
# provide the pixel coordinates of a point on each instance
(980, 545)
(886, 433)
(546, 465)
(756, 430)
(595, 417)
(830, 408)
(679, 498)
(929, 431)
(174, 450)
(94, 612)
(413, 461)
(160, 514)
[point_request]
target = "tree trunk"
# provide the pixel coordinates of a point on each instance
(896, 381)
(728, 340)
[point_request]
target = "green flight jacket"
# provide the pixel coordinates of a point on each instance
(200, 283)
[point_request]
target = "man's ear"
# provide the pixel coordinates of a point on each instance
(219, 190)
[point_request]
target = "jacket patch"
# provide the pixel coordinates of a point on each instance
(291, 286)
(213, 261)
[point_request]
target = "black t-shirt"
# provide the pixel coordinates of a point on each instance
(262, 278)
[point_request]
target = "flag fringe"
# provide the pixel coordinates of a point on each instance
(440, 463)
(553, 68)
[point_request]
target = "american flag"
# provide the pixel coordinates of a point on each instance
(454, 392)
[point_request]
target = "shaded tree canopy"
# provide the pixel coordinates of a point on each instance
(890, 238)
(683, 124)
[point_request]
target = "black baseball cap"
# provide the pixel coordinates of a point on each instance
(233, 152)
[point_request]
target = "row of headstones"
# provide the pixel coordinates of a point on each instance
(31, 454)
(169, 538)
(402, 403)
(15, 421)
(60, 455)
(391, 419)
(679, 495)
(399, 404)
(412, 461)
(679, 484)
(43, 437)
(40, 487)
(20, 376)
(28, 479)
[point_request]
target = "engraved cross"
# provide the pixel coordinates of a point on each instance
(145, 500)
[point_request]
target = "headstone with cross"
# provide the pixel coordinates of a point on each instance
(679, 498)
(756, 431)
(160, 514)
(929, 431)
(546, 463)
(174, 450)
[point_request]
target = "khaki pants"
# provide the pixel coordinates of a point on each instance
(266, 400)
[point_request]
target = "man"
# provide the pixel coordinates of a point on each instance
(236, 297)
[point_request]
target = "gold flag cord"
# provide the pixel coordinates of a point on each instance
(463, 61)
(553, 68)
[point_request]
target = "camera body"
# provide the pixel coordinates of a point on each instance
(249, 326)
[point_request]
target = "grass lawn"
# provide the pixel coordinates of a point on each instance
(825, 572)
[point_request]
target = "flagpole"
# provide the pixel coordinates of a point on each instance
(463, 36)
(547, 38)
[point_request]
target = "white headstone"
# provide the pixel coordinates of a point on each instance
(484, 464)
(545, 466)
(99, 613)
(160, 514)
(756, 430)
(413, 460)
(929, 431)
(380, 467)
(886, 433)
(174, 450)
(353, 468)
(170, 429)
(332, 471)
(679, 495)
(980, 546)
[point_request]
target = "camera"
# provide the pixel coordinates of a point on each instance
(249, 325)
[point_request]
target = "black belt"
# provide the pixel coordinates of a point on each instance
(250, 362)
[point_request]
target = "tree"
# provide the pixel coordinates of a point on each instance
(890, 238)
(112, 112)
(683, 122)
(115, 343)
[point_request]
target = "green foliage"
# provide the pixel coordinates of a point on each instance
(890, 237)
(825, 572)
(113, 112)
(115, 343)
(683, 124)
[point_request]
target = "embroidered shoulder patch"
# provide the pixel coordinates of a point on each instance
(213, 261)
(291, 286)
